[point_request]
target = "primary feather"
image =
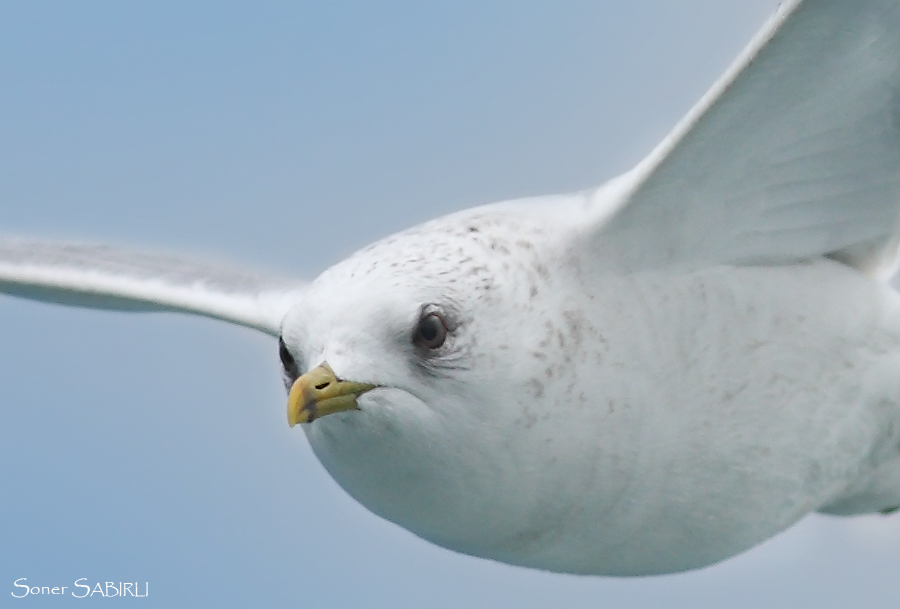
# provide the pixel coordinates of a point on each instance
(105, 277)
(793, 154)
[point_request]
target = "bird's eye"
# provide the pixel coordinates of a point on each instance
(431, 331)
(291, 370)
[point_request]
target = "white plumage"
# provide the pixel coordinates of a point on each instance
(644, 378)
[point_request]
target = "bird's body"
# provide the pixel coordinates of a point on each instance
(643, 378)
(653, 422)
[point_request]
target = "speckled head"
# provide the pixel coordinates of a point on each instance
(429, 437)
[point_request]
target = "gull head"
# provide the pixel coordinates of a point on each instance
(404, 368)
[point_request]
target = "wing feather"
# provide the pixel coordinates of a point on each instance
(793, 154)
(105, 277)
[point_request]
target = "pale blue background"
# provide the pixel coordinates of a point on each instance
(154, 447)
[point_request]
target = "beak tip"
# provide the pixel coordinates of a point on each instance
(295, 419)
(319, 393)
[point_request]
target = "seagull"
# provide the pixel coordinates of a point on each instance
(645, 377)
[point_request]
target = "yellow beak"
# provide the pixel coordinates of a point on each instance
(320, 392)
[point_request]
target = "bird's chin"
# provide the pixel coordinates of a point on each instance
(387, 455)
(406, 461)
(361, 447)
(375, 408)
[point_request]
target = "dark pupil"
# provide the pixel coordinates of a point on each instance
(287, 360)
(429, 328)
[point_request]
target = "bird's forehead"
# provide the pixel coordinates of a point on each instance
(464, 263)
(460, 252)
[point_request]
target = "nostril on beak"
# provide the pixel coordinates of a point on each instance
(322, 386)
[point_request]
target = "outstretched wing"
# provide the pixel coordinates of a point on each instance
(110, 278)
(793, 154)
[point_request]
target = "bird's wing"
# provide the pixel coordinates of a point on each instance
(111, 278)
(794, 153)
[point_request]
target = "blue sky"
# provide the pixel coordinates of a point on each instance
(153, 448)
